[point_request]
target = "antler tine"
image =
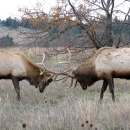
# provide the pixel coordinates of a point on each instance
(56, 77)
(42, 63)
(75, 84)
(65, 79)
(60, 79)
(67, 62)
(71, 83)
(43, 59)
(68, 70)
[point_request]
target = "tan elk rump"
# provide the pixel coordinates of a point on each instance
(107, 63)
(16, 66)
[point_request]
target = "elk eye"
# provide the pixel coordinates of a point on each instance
(74, 72)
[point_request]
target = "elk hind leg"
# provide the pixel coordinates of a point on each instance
(15, 81)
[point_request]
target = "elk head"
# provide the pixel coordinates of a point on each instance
(45, 80)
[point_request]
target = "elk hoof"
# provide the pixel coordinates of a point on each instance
(18, 98)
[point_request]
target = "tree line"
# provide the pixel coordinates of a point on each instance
(15, 23)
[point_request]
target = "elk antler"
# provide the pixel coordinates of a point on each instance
(67, 62)
(42, 63)
(64, 73)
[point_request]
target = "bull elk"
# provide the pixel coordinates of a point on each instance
(16, 66)
(107, 63)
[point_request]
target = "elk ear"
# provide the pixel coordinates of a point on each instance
(41, 72)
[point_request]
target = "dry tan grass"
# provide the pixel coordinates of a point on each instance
(59, 108)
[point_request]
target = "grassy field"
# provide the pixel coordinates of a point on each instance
(61, 108)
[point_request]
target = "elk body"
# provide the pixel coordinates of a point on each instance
(107, 63)
(16, 66)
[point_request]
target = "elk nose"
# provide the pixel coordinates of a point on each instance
(41, 91)
(50, 80)
(84, 88)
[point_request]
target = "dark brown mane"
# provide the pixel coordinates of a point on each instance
(87, 68)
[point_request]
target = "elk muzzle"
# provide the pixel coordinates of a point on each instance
(83, 85)
(44, 83)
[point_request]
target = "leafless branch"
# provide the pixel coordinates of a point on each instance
(121, 29)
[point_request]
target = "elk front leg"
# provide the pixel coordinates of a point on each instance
(15, 81)
(111, 87)
(103, 89)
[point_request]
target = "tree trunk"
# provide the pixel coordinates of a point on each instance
(108, 38)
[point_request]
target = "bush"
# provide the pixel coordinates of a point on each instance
(6, 41)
